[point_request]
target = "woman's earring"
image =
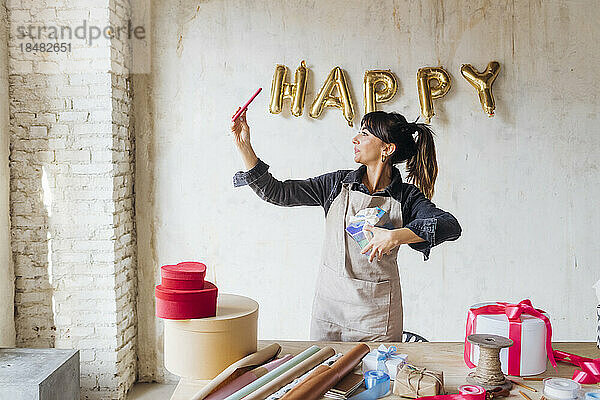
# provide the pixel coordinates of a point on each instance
(383, 158)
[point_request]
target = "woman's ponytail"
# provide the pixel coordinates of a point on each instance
(422, 167)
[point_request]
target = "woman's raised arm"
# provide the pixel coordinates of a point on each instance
(289, 193)
(241, 133)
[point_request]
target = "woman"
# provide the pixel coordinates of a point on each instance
(358, 297)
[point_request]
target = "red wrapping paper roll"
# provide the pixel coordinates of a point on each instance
(183, 276)
(186, 304)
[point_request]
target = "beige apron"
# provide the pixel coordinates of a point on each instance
(356, 300)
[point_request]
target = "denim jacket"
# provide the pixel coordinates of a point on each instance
(419, 214)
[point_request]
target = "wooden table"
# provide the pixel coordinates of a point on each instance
(447, 357)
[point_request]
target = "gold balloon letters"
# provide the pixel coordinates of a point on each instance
(325, 98)
(428, 92)
(380, 86)
(296, 92)
(482, 82)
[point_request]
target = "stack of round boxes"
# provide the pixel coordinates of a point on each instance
(183, 292)
(201, 339)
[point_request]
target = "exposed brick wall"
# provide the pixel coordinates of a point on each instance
(123, 195)
(72, 162)
(7, 287)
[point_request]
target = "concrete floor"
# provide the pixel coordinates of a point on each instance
(151, 391)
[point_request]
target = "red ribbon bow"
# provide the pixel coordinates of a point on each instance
(590, 367)
(513, 312)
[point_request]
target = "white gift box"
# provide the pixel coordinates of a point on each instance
(392, 360)
(598, 312)
(597, 287)
(533, 340)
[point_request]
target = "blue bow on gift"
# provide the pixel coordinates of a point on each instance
(384, 356)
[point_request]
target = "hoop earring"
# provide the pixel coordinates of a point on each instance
(383, 157)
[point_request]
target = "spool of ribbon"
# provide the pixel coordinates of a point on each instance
(592, 396)
(465, 392)
(590, 367)
(472, 390)
(561, 388)
(513, 312)
(377, 383)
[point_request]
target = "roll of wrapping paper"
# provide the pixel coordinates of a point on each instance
(323, 379)
(292, 374)
(247, 378)
(237, 369)
(270, 376)
(281, 392)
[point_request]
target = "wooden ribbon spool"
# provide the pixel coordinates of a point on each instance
(488, 373)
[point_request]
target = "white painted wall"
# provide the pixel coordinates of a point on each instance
(524, 184)
(7, 276)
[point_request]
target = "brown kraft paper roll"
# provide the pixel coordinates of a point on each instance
(292, 374)
(318, 383)
(238, 368)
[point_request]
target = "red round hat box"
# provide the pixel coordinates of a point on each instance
(183, 276)
(186, 304)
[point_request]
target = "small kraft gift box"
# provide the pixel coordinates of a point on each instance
(413, 381)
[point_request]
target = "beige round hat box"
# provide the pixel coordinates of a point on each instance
(202, 348)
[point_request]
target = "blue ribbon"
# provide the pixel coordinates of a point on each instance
(383, 357)
(377, 383)
(592, 396)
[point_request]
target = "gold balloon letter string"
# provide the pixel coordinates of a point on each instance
(428, 92)
(380, 86)
(325, 98)
(482, 82)
(296, 92)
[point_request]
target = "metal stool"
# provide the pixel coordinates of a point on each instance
(412, 337)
